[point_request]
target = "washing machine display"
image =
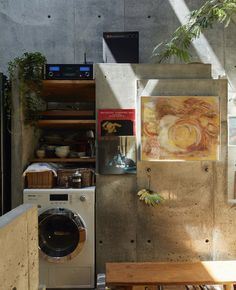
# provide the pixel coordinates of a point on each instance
(66, 236)
(62, 234)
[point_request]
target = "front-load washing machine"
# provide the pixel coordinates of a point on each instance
(66, 236)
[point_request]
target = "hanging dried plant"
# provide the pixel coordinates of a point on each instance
(148, 196)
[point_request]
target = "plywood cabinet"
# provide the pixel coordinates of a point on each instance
(70, 116)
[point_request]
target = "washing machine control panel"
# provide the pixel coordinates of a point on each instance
(60, 199)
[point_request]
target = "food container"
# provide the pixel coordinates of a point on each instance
(76, 180)
(64, 177)
(40, 153)
(62, 151)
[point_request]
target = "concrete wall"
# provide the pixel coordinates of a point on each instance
(195, 222)
(64, 29)
(24, 142)
(19, 249)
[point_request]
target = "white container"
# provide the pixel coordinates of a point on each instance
(40, 153)
(62, 151)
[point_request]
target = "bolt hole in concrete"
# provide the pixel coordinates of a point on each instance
(100, 242)
(131, 241)
(206, 169)
(14, 288)
(149, 16)
(206, 241)
(99, 16)
(49, 16)
(149, 241)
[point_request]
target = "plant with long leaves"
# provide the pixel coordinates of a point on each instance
(30, 73)
(211, 12)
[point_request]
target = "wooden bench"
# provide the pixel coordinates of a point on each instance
(127, 275)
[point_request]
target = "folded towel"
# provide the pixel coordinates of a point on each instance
(41, 167)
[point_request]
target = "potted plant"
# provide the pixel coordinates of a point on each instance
(29, 70)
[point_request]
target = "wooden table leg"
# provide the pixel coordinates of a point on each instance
(228, 287)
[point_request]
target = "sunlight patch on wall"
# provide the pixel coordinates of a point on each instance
(116, 80)
(201, 45)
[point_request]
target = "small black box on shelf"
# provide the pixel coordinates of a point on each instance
(121, 47)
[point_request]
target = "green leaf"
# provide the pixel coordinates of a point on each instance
(149, 197)
(211, 12)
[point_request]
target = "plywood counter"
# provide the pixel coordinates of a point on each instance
(171, 273)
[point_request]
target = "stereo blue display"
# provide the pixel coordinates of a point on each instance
(54, 68)
(56, 71)
(84, 68)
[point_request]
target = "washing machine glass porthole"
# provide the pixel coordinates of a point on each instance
(61, 233)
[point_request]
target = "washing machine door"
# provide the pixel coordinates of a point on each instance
(61, 234)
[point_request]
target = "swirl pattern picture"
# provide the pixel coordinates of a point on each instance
(180, 128)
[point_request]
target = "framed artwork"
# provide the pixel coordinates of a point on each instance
(117, 155)
(180, 128)
(116, 141)
(116, 122)
(232, 130)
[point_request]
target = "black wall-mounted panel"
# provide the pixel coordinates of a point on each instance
(121, 47)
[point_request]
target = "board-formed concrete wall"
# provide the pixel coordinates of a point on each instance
(195, 222)
(19, 265)
(64, 30)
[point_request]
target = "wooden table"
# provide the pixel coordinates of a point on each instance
(171, 273)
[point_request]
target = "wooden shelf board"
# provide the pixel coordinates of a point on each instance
(66, 123)
(64, 160)
(66, 113)
(69, 90)
(69, 142)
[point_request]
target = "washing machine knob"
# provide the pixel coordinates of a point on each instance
(82, 198)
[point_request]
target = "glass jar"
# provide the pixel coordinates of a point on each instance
(77, 180)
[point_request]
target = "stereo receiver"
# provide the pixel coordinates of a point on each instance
(69, 71)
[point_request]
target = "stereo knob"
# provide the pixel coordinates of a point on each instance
(50, 74)
(82, 198)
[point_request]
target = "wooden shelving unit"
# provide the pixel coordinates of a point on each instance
(73, 114)
(67, 123)
(69, 90)
(65, 160)
(66, 113)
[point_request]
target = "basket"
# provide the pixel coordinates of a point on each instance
(43, 179)
(88, 176)
(64, 177)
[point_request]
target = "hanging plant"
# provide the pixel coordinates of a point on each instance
(148, 196)
(30, 73)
